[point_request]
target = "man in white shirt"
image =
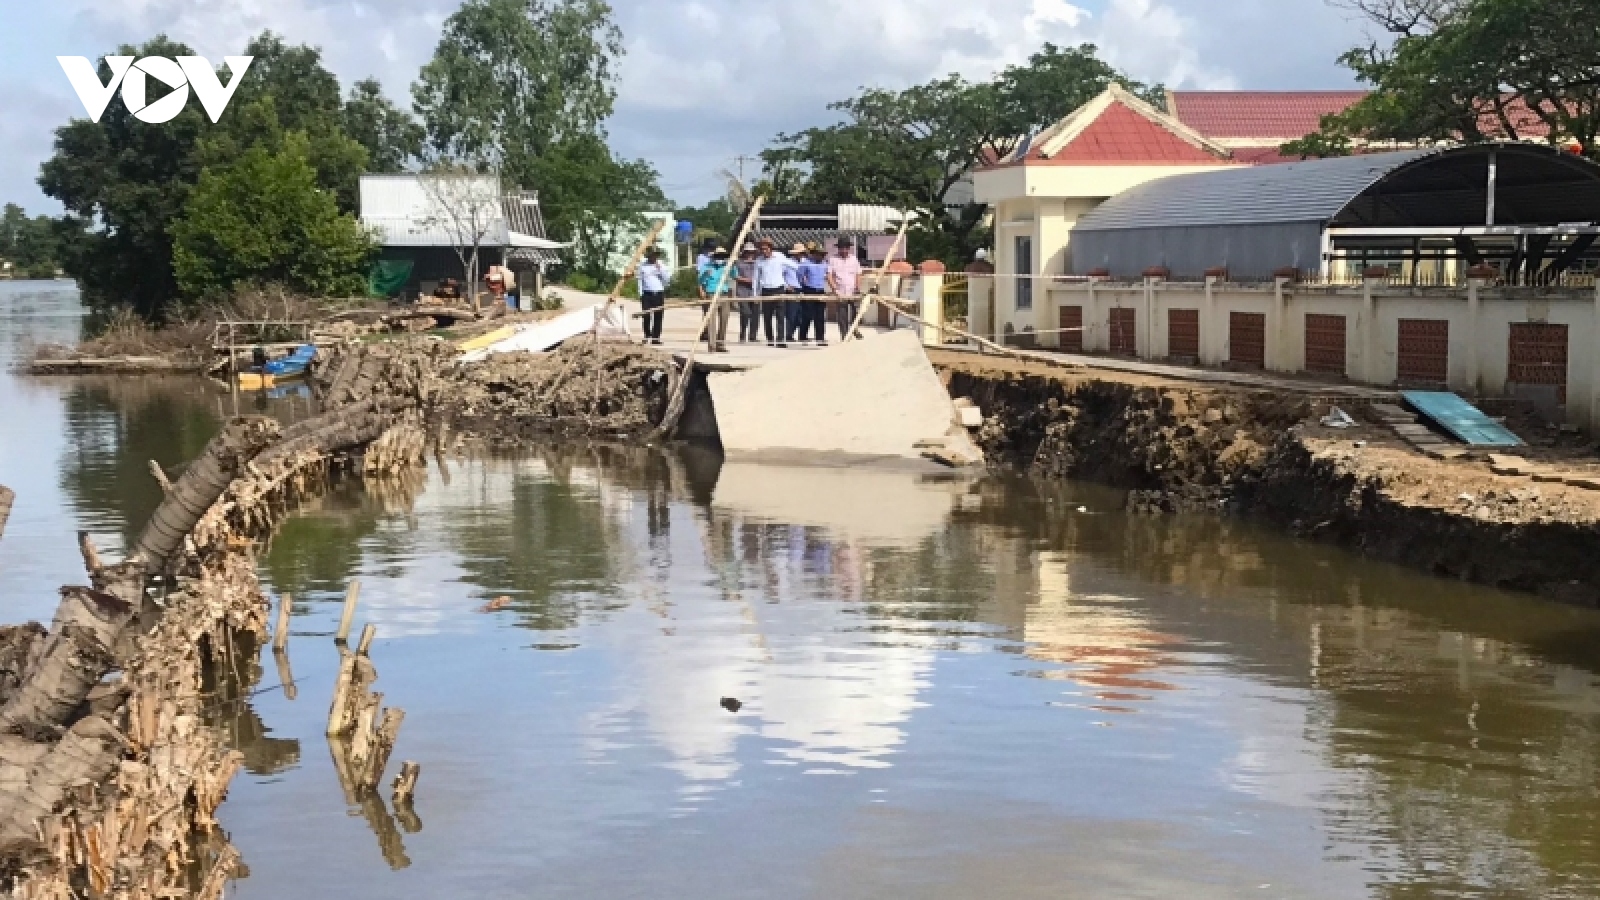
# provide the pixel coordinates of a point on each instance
(844, 282)
(653, 278)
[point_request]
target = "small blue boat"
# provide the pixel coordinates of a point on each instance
(288, 368)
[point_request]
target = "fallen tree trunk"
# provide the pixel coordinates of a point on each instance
(201, 484)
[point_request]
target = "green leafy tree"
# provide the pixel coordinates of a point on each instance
(264, 218)
(1471, 71)
(30, 244)
(125, 183)
(716, 217)
(913, 149)
(511, 79)
(288, 89)
(393, 138)
(595, 200)
(523, 88)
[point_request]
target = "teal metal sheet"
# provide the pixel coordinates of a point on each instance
(1460, 418)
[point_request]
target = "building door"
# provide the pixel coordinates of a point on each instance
(1325, 344)
(1247, 340)
(1024, 256)
(1424, 352)
(1183, 334)
(1124, 324)
(1538, 356)
(1072, 318)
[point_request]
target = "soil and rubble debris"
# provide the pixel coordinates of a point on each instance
(592, 388)
(1527, 522)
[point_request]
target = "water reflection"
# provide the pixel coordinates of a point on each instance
(952, 688)
(1203, 703)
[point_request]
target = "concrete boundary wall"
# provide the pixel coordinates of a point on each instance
(1479, 316)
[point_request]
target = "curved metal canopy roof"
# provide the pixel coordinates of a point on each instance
(1423, 187)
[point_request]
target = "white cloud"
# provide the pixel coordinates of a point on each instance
(705, 80)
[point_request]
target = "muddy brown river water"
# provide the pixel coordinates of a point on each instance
(948, 688)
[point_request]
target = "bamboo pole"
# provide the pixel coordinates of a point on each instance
(627, 272)
(669, 420)
(998, 348)
(7, 497)
(341, 695)
(368, 632)
(351, 595)
(855, 327)
(280, 634)
(285, 674)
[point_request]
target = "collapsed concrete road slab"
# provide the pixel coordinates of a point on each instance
(878, 397)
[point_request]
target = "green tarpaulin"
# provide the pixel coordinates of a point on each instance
(388, 276)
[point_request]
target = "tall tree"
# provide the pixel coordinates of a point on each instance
(523, 87)
(1473, 71)
(914, 148)
(512, 78)
(263, 218)
(393, 138)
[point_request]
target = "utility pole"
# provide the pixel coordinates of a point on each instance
(740, 160)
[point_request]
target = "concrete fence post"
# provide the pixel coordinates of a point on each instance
(1146, 329)
(980, 299)
(1370, 280)
(1476, 280)
(931, 276)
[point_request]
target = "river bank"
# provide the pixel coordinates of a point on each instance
(1186, 447)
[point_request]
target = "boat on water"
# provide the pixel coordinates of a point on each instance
(269, 374)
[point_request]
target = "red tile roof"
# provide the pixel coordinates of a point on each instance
(1221, 115)
(1121, 135)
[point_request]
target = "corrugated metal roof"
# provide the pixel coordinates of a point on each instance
(403, 214)
(1312, 191)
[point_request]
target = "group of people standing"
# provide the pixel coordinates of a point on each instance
(780, 297)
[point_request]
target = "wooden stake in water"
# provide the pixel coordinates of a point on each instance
(368, 632)
(280, 635)
(348, 617)
(405, 783)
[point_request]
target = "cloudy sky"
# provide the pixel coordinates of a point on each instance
(685, 106)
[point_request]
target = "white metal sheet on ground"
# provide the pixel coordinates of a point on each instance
(541, 336)
(875, 397)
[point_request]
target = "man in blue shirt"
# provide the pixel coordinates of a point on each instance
(813, 276)
(716, 281)
(791, 282)
(653, 278)
(770, 287)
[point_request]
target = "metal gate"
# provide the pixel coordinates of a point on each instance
(1071, 318)
(1247, 340)
(1424, 352)
(1124, 325)
(1183, 334)
(957, 310)
(1538, 355)
(1325, 344)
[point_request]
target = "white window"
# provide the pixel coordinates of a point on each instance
(1024, 263)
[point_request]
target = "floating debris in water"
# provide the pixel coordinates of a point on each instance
(732, 704)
